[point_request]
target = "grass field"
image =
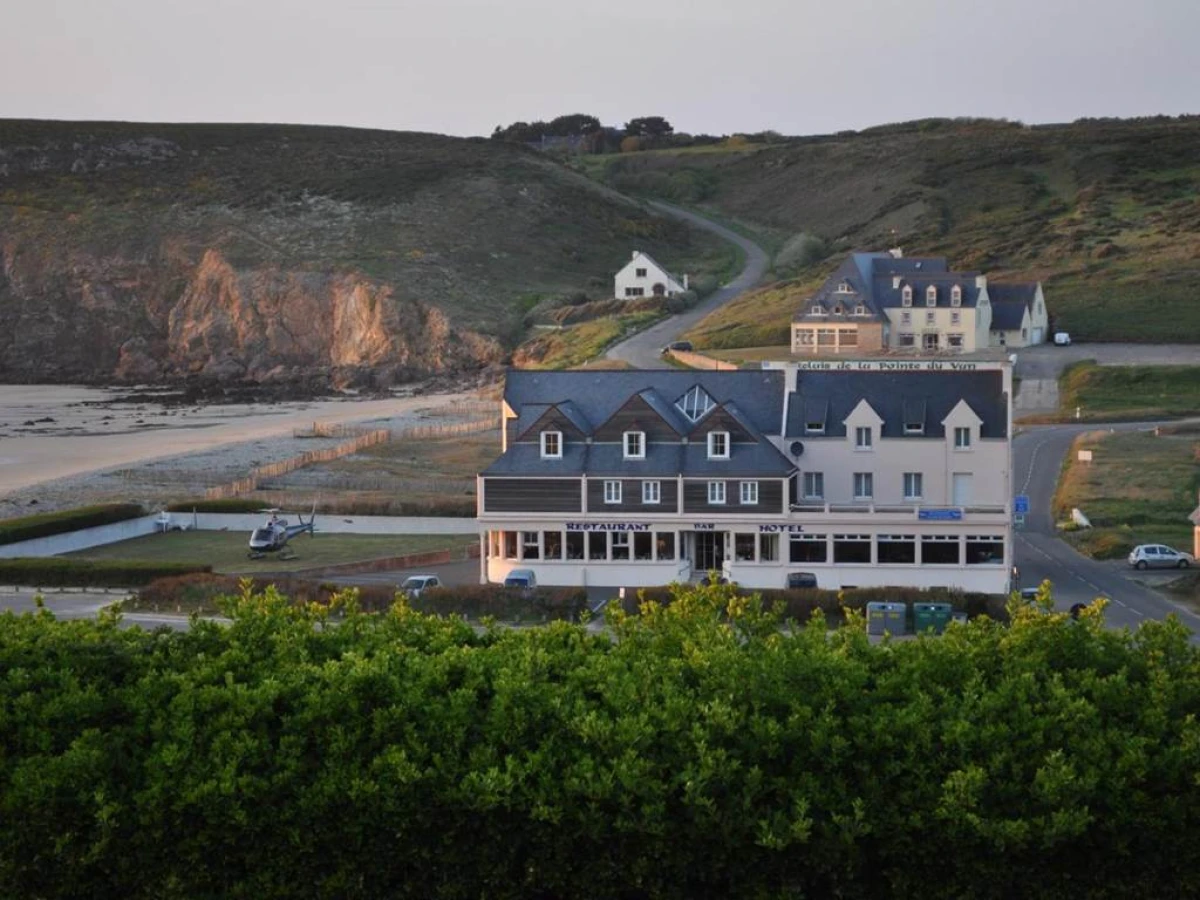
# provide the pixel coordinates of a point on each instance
(1138, 489)
(225, 551)
(1108, 392)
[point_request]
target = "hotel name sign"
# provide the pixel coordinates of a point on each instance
(883, 365)
(771, 528)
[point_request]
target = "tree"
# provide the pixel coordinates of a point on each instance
(648, 126)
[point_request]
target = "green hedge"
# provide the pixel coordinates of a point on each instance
(53, 571)
(26, 528)
(695, 751)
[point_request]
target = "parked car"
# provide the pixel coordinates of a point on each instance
(522, 580)
(683, 346)
(1062, 339)
(414, 584)
(797, 580)
(1159, 556)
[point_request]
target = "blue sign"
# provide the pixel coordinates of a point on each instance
(1021, 503)
(940, 515)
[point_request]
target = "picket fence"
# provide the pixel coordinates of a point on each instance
(273, 470)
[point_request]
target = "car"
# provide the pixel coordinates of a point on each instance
(1062, 339)
(682, 346)
(414, 585)
(796, 580)
(1159, 556)
(522, 580)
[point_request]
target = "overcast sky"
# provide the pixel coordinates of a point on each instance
(718, 66)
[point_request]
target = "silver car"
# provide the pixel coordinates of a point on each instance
(1159, 556)
(414, 585)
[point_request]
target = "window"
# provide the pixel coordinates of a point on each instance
(905, 318)
(864, 485)
(510, 545)
(826, 337)
(620, 545)
(906, 296)
(851, 548)
(817, 309)
(808, 337)
(643, 545)
(862, 438)
(907, 340)
(860, 310)
(956, 296)
(931, 296)
(641, 273)
(574, 545)
(837, 310)
(913, 485)
(651, 492)
(962, 438)
(930, 318)
(844, 287)
(530, 548)
(939, 549)
(848, 337)
(749, 493)
(551, 445)
(814, 485)
(716, 492)
(929, 341)
(743, 547)
(718, 445)
(896, 548)
(635, 292)
(955, 318)
(552, 541)
(985, 550)
(664, 543)
(597, 545)
(768, 548)
(954, 340)
(808, 548)
(635, 445)
(695, 404)
(612, 492)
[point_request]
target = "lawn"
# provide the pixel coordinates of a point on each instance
(226, 551)
(1128, 392)
(1138, 489)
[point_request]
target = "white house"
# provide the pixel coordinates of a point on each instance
(643, 277)
(1019, 317)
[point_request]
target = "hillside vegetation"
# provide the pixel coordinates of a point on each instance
(142, 252)
(1105, 213)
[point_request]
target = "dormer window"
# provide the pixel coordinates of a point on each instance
(844, 288)
(718, 445)
(837, 310)
(695, 404)
(914, 417)
(635, 445)
(860, 310)
(956, 296)
(931, 296)
(817, 310)
(906, 295)
(552, 445)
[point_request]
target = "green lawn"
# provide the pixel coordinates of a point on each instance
(1130, 391)
(226, 551)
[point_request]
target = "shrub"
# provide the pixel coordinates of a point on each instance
(480, 600)
(55, 571)
(26, 528)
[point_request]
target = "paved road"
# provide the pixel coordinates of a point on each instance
(1040, 554)
(84, 604)
(642, 351)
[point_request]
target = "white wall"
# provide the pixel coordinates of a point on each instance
(655, 274)
(83, 539)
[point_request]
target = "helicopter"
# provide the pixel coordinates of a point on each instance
(273, 535)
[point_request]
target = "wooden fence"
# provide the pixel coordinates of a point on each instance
(273, 470)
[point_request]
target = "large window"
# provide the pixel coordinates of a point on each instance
(907, 339)
(814, 485)
(985, 550)
(848, 337)
(651, 492)
(552, 542)
(530, 548)
(913, 485)
(864, 485)
(954, 340)
(716, 492)
(612, 492)
(768, 548)
(597, 545)
(962, 438)
(552, 445)
(575, 545)
(718, 445)
(862, 438)
(743, 547)
(808, 548)
(643, 545)
(635, 445)
(939, 550)
(826, 337)
(851, 548)
(620, 545)
(897, 548)
(749, 493)
(664, 543)
(510, 545)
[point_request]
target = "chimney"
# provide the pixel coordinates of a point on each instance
(685, 287)
(896, 253)
(981, 281)
(895, 282)
(636, 253)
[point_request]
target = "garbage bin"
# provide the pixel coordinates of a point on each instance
(931, 616)
(886, 618)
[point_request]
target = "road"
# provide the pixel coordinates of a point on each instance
(643, 350)
(1040, 554)
(71, 603)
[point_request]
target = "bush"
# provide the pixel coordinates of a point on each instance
(55, 571)
(26, 528)
(201, 592)
(481, 600)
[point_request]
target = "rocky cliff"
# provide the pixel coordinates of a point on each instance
(133, 253)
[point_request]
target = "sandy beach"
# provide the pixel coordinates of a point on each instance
(62, 446)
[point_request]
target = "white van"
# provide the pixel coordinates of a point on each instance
(1062, 339)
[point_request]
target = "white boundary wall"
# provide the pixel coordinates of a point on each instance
(83, 539)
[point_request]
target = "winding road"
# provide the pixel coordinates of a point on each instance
(643, 350)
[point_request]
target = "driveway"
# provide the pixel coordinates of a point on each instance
(642, 350)
(1039, 367)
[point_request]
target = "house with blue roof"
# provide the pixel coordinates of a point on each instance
(1019, 315)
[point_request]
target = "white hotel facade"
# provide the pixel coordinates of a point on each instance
(862, 472)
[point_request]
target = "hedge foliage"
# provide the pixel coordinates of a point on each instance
(55, 571)
(26, 528)
(695, 750)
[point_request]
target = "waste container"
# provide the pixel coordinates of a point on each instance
(886, 617)
(931, 616)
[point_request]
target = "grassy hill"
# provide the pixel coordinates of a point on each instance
(1105, 213)
(148, 251)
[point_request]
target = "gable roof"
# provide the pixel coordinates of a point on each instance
(896, 396)
(640, 258)
(1009, 302)
(1008, 316)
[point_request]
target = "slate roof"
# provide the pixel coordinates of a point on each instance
(1007, 316)
(1009, 302)
(893, 395)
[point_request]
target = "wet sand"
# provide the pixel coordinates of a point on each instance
(50, 432)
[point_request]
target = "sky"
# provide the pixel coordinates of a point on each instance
(717, 66)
